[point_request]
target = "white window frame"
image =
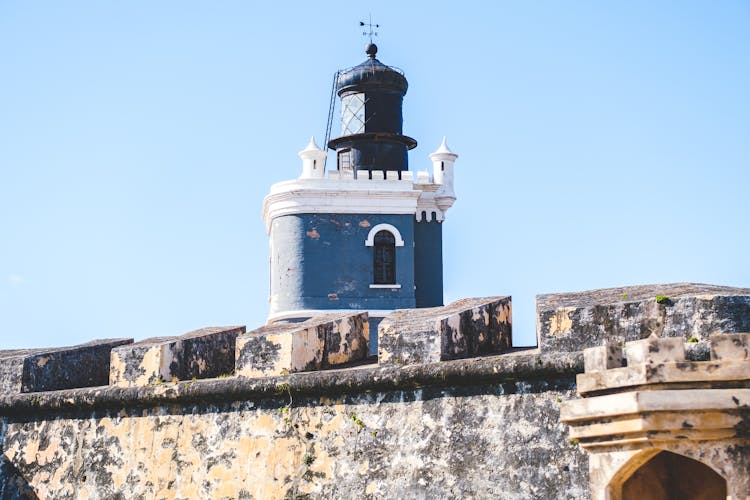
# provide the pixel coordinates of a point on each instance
(370, 241)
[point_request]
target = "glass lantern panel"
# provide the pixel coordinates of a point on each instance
(353, 114)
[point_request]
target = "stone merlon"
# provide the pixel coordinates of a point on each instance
(465, 328)
(204, 353)
(575, 321)
(324, 341)
(34, 370)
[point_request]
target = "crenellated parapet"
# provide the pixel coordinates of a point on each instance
(464, 329)
(361, 191)
(647, 411)
(287, 408)
(647, 391)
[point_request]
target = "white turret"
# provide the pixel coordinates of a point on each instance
(442, 174)
(313, 161)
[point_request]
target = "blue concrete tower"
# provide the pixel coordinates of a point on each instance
(367, 235)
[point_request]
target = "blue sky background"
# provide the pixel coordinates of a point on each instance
(601, 144)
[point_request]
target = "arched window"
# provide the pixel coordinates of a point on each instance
(384, 258)
(384, 238)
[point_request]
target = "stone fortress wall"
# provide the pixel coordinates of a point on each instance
(448, 408)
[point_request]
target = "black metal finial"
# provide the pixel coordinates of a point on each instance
(370, 29)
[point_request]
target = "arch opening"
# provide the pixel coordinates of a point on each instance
(669, 476)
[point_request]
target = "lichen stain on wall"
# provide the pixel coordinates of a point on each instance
(560, 322)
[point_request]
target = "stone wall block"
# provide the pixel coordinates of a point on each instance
(137, 364)
(602, 357)
(466, 328)
(322, 342)
(347, 339)
(654, 351)
(204, 353)
(732, 346)
(263, 353)
(578, 320)
(36, 370)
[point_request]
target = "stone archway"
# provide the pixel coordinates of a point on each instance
(669, 476)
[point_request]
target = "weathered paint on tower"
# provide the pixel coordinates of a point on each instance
(367, 235)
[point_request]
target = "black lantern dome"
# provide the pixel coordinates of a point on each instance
(372, 74)
(371, 138)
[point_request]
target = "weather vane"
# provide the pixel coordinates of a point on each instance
(370, 27)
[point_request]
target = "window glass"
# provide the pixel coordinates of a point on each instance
(384, 264)
(345, 160)
(353, 114)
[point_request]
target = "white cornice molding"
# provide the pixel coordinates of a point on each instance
(349, 196)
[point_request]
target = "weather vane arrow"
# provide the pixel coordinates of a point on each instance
(370, 28)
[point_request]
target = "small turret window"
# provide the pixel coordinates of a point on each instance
(384, 258)
(345, 160)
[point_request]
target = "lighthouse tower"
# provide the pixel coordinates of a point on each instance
(367, 235)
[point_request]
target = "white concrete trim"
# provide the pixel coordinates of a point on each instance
(393, 285)
(308, 313)
(350, 196)
(370, 241)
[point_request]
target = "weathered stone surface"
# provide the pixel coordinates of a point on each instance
(32, 370)
(697, 351)
(321, 342)
(521, 364)
(658, 403)
(204, 353)
(664, 373)
(574, 321)
(602, 358)
(641, 404)
(664, 361)
(465, 328)
(735, 347)
(654, 350)
(476, 428)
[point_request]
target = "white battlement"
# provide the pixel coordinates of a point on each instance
(426, 195)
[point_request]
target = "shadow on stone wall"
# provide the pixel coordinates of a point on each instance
(13, 485)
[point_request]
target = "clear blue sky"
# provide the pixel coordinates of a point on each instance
(601, 144)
